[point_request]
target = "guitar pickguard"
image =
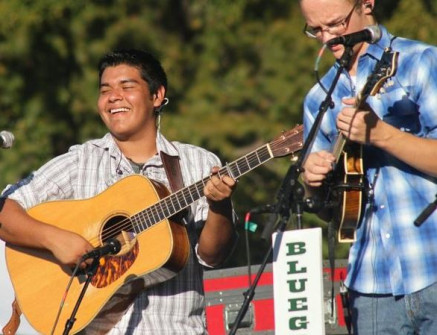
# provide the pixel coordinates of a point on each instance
(111, 268)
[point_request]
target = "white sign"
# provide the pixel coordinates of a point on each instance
(298, 282)
(7, 297)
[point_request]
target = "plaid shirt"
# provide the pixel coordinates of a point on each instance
(391, 255)
(173, 307)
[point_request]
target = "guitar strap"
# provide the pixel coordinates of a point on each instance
(172, 170)
(174, 175)
(11, 327)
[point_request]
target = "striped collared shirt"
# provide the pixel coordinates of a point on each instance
(173, 307)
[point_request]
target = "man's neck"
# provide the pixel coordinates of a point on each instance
(138, 150)
(354, 62)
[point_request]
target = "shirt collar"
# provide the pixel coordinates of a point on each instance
(377, 49)
(108, 143)
(165, 145)
(162, 144)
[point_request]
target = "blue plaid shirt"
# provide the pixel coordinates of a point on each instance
(391, 255)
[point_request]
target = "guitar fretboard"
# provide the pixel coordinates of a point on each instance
(341, 140)
(183, 198)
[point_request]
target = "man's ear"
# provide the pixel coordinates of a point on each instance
(368, 6)
(158, 96)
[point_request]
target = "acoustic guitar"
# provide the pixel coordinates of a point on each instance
(350, 187)
(136, 211)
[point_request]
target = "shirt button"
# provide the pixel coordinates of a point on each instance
(387, 235)
(382, 206)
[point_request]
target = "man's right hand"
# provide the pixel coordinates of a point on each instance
(68, 247)
(316, 167)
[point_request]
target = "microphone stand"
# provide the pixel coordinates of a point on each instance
(90, 272)
(291, 191)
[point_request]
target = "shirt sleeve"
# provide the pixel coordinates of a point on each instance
(202, 208)
(52, 181)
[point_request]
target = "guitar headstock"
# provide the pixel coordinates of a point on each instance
(384, 69)
(288, 142)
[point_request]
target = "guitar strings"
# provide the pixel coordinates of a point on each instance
(149, 218)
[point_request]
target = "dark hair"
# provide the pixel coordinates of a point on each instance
(150, 68)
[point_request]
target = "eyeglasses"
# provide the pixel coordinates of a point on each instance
(333, 29)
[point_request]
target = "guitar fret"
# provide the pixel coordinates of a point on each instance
(252, 157)
(229, 171)
(265, 155)
(140, 221)
(184, 203)
(163, 210)
(188, 195)
(220, 173)
(167, 211)
(137, 222)
(171, 200)
(155, 213)
(235, 170)
(247, 168)
(198, 188)
(260, 156)
(147, 222)
(160, 211)
(144, 221)
(257, 157)
(179, 203)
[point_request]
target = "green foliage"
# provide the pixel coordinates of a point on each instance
(238, 72)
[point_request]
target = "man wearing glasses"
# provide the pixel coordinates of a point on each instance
(392, 271)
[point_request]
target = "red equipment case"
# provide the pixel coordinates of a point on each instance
(225, 288)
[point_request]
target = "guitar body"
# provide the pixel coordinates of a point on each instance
(157, 253)
(350, 192)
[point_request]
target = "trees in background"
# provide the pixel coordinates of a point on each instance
(238, 72)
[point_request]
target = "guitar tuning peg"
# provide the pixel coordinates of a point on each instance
(293, 158)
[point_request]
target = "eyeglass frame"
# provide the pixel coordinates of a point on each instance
(344, 23)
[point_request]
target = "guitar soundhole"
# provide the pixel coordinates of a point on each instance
(112, 267)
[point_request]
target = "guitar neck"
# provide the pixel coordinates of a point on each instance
(183, 198)
(341, 140)
(339, 146)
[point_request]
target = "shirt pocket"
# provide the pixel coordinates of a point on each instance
(400, 111)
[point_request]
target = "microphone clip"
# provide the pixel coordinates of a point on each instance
(111, 247)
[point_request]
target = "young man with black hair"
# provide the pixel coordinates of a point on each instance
(133, 87)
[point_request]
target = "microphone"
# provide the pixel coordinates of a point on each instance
(371, 34)
(111, 247)
(6, 139)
